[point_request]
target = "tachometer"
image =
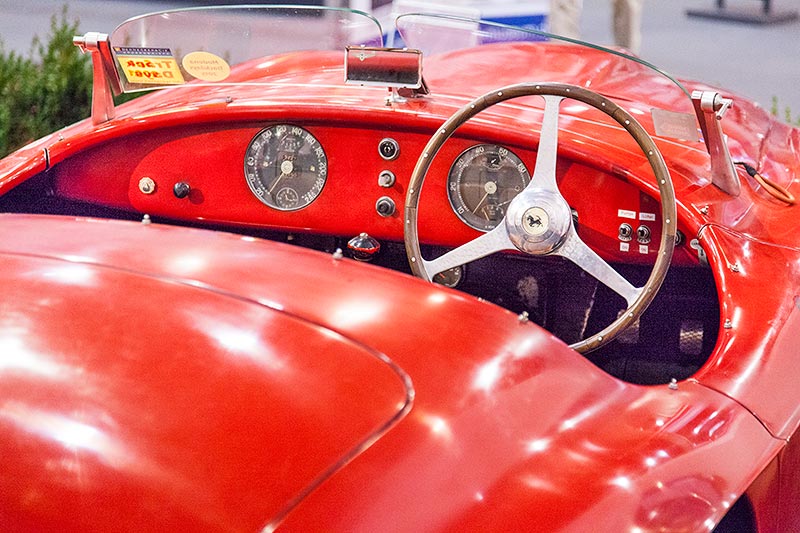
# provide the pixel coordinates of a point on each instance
(482, 182)
(285, 167)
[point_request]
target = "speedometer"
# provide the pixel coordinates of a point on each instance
(285, 167)
(482, 182)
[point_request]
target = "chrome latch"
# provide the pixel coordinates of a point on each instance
(104, 79)
(710, 107)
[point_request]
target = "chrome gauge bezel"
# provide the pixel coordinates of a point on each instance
(285, 167)
(464, 174)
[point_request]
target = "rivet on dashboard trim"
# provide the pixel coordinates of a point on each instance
(146, 219)
(147, 185)
(673, 384)
(338, 254)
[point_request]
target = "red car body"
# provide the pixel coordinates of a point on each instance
(161, 377)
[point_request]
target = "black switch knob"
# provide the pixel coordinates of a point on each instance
(385, 206)
(181, 189)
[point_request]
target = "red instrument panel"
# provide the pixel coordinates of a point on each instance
(200, 174)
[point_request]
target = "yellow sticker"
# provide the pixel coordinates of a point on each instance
(206, 66)
(149, 66)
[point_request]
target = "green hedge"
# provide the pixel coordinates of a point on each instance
(46, 90)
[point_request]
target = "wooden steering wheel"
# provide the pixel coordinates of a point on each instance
(538, 220)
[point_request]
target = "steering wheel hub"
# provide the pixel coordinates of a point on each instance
(538, 221)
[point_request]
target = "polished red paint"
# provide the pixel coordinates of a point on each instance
(254, 374)
(392, 404)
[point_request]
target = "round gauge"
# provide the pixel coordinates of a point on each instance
(482, 182)
(285, 167)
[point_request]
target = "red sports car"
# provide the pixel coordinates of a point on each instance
(209, 320)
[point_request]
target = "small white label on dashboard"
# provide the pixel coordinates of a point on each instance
(644, 249)
(624, 246)
(624, 213)
(647, 216)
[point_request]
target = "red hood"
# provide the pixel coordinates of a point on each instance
(128, 396)
(210, 381)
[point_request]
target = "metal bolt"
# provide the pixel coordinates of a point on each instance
(728, 324)
(523, 317)
(673, 384)
(146, 219)
(338, 254)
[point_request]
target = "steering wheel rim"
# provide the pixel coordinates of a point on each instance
(537, 199)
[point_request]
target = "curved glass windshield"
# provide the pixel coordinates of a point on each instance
(205, 45)
(540, 56)
(462, 58)
(484, 56)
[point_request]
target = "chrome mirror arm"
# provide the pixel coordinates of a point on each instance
(710, 107)
(105, 83)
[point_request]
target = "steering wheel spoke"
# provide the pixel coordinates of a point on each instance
(544, 174)
(579, 253)
(495, 241)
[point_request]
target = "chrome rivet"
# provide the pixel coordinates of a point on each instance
(673, 384)
(728, 324)
(338, 254)
(523, 317)
(147, 185)
(146, 219)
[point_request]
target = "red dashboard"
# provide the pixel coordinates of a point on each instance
(363, 189)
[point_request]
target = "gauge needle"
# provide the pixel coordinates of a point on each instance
(490, 188)
(286, 168)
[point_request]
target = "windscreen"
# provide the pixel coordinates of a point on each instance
(205, 45)
(655, 98)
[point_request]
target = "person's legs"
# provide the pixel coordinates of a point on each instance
(627, 24)
(565, 17)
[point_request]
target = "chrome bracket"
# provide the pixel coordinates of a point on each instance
(105, 83)
(710, 107)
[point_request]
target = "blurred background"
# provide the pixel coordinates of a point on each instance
(758, 61)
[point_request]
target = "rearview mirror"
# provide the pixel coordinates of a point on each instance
(386, 67)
